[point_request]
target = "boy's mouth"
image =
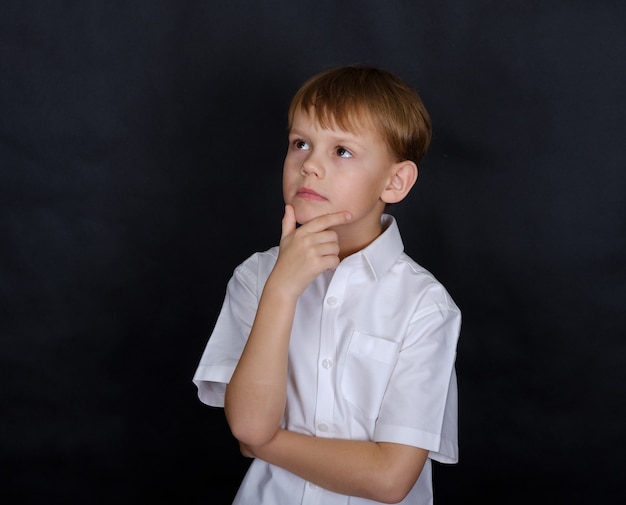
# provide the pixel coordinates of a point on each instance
(309, 194)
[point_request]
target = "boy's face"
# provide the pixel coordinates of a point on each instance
(332, 170)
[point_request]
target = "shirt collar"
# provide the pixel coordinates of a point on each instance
(383, 252)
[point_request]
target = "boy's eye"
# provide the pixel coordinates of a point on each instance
(342, 152)
(300, 144)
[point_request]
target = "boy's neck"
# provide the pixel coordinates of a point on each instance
(355, 239)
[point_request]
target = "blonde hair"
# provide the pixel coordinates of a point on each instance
(347, 96)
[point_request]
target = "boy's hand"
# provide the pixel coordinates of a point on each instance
(307, 251)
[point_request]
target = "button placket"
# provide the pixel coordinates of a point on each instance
(324, 414)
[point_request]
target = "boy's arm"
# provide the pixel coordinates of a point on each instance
(380, 471)
(256, 394)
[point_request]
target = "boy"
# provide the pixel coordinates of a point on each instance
(333, 354)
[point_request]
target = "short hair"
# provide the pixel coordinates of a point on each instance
(348, 95)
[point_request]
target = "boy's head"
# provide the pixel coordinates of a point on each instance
(356, 95)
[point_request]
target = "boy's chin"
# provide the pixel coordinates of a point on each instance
(303, 217)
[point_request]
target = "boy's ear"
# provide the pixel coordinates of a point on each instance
(403, 176)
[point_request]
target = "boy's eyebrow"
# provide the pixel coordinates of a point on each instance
(295, 131)
(338, 137)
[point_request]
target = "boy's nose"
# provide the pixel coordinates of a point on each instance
(311, 166)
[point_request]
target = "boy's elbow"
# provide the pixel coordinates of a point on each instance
(391, 491)
(251, 434)
(393, 479)
(250, 424)
(253, 438)
(393, 484)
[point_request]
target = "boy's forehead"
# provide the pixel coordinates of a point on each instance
(353, 121)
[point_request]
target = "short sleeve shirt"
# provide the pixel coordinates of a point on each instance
(372, 357)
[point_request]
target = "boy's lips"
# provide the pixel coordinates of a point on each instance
(309, 194)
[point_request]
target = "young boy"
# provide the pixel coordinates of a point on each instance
(333, 354)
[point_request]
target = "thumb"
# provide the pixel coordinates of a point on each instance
(289, 221)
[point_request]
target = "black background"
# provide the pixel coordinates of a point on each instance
(141, 148)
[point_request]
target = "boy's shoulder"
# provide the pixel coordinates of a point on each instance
(420, 281)
(260, 256)
(258, 262)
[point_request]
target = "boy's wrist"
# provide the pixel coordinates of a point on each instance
(280, 289)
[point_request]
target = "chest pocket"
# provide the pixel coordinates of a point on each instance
(367, 369)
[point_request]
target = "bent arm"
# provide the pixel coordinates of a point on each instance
(256, 395)
(380, 471)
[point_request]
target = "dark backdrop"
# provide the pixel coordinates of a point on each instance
(141, 146)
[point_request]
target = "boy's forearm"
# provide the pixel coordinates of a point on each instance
(378, 471)
(256, 395)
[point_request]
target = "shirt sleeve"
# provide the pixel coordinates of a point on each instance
(229, 335)
(420, 405)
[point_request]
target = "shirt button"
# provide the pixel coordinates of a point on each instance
(332, 301)
(327, 363)
(323, 427)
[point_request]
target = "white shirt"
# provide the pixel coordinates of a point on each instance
(371, 357)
